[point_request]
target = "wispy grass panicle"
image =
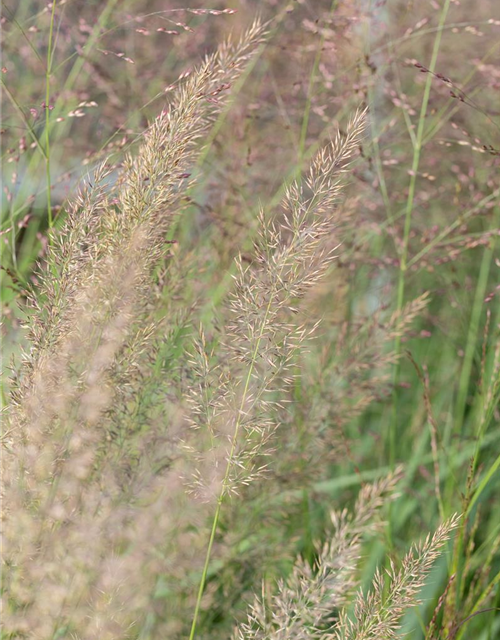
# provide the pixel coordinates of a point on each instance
(314, 601)
(93, 328)
(306, 603)
(378, 613)
(128, 221)
(262, 337)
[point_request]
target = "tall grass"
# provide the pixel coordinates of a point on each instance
(253, 358)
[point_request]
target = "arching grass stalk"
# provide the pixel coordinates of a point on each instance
(403, 264)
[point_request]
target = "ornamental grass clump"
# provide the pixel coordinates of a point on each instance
(121, 460)
(315, 601)
(72, 457)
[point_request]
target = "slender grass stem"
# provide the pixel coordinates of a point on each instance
(25, 120)
(375, 136)
(310, 93)
(403, 264)
(47, 112)
(465, 374)
(225, 481)
(474, 493)
(14, 20)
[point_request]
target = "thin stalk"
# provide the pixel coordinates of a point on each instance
(403, 265)
(472, 495)
(488, 409)
(482, 282)
(446, 232)
(375, 136)
(234, 441)
(441, 117)
(484, 482)
(475, 609)
(68, 85)
(23, 117)
(14, 20)
(225, 481)
(307, 110)
(47, 102)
